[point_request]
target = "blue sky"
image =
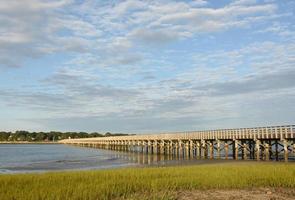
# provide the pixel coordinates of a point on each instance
(146, 66)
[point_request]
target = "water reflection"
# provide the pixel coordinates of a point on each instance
(143, 159)
(147, 159)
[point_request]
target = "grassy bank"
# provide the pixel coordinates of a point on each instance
(146, 183)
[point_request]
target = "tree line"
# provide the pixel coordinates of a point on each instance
(51, 136)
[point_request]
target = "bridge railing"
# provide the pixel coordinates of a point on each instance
(271, 132)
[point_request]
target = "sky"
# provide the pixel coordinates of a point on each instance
(146, 66)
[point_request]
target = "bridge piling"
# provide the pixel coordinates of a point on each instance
(286, 150)
(218, 149)
(226, 150)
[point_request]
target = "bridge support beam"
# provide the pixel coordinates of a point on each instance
(187, 149)
(180, 149)
(286, 150)
(236, 149)
(198, 150)
(257, 149)
(162, 147)
(218, 149)
(150, 148)
(245, 150)
(211, 150)
(192, 148)
(204, 150)
(266, 151)
(226, 150)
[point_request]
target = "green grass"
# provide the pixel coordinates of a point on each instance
(149, 183)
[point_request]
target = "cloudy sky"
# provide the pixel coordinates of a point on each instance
(144, 66)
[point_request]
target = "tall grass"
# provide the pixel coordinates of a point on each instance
(125, 183)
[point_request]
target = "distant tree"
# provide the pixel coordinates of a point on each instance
(40, 136)
(107, 134)
(4, 136)
(21, 135)
(95, 135)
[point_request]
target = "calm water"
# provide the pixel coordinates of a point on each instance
(23, 158)
(33, 158)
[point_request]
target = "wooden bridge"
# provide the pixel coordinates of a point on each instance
(260, 143)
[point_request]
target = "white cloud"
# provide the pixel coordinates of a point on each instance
(243, 2)
(199, 3)
(128, 5)
(32, 28)
(68, 26)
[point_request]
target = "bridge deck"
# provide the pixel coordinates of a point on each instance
(271, 132)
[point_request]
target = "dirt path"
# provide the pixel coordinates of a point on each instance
(259, 194)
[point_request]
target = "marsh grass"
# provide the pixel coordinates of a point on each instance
(150, 183)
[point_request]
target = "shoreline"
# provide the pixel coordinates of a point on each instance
(25, 142)
(172, 164)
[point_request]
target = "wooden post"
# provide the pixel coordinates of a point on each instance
(204, 148)
(155, 147)
(236, 149)
(171, 147)
(266, 151)
(285, 142)
(226, 150)
(180, 148)
(211, 149)
(245, 149)
(218, 149)
(187, 149)
(142, 147)
(176, 144)
(191, 143)
(138, 147)
(146, 147)
(198, 150)
(277, 150)
(257, 149)
(162, 147)
(149, 147)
